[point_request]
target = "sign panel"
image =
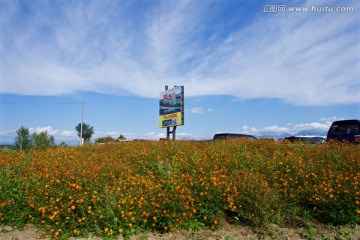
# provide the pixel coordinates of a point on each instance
(172, 107)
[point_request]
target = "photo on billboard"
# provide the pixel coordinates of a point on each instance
(171, 109)
(170, 120)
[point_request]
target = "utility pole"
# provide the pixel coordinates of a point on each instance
(21, 142)
(81, 126)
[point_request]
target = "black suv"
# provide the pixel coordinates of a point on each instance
(305, 139)
(219, 136)
(345, 130)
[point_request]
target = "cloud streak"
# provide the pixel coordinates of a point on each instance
(59, 48)
(315, 128)
(199, 110)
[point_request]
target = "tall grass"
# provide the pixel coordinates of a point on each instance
(130, 187)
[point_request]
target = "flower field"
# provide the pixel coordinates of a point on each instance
(130, 187)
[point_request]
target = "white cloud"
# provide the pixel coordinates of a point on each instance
(197, 110)
(106, 134)
(60, 135)
(200, 110)
(302, 58)
(316, 128)
(7, 136)
(179, 135)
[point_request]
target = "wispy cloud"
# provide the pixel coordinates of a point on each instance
(317, 128)
(61, 135)
(7, 136)
(57, 48)
(199, 110)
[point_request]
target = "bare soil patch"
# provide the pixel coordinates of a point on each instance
(225, 232)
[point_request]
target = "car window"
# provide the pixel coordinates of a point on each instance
(232, 135)
(348, 129)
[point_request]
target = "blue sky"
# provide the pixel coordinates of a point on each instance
(244, 68)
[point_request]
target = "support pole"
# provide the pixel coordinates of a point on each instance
(168, 133)
(174, 133)
(168, 128)
(81, 126)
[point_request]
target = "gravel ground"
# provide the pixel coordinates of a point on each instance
(226, 232)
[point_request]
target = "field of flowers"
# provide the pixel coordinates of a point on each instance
(131, 187)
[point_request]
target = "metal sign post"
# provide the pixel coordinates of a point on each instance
(168, 132)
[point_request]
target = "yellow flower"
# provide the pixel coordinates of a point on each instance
(106, 229)
(121, 230)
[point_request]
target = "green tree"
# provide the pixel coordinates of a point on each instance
(63, 144)
(87, 131)
(42, 140)
(121, 137)
(107, 139)
(23, 139)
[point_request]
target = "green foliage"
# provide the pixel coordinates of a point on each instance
(42, 140)
(107, 139)
(63, 144)
(23, 140)
(87, 131)
(39, 141)
(121, 137)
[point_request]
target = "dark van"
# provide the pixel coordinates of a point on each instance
(345, 130)
(305, 139)
(219, 136)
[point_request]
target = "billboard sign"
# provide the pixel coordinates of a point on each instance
(172, 107)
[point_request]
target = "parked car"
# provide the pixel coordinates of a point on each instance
(219, 136)
(305, 139)
(345, 130)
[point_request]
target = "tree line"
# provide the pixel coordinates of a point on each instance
(39, 141)
(25, 141)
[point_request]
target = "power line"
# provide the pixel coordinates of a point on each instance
(30, 103)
